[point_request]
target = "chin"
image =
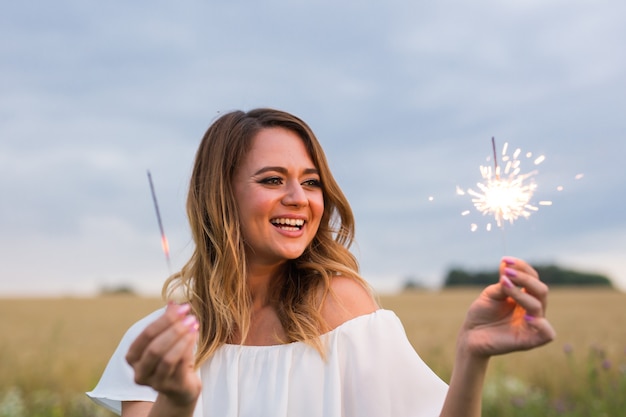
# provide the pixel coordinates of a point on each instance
(291, 255)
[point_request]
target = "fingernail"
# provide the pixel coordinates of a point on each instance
(510, 272)
(183, 309)
(528, 317)
(506, 281)
(191, 322)
(508, 260)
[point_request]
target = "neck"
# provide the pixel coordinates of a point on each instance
(260, 279)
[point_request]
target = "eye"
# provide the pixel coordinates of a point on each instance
(312, 183)
(271, 181)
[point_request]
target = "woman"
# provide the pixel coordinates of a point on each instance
(277, 320)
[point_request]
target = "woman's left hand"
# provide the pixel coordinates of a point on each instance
(510, 315)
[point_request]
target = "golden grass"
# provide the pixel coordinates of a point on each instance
(62, 344)
(586, 320)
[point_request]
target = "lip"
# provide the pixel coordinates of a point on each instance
(290, 217)
(290, 233)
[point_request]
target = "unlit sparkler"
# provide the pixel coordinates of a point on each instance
(505, 193)
(164, 243)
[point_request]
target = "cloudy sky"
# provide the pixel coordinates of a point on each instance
(405, 97)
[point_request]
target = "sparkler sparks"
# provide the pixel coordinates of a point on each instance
(164, 243)
(505, 193)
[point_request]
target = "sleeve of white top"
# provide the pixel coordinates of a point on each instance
(117, 383)
(384, 376)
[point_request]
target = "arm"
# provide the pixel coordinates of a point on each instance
(506, 317)
(160, 408)
(162, 357)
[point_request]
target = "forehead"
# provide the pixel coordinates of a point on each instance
(277, 146)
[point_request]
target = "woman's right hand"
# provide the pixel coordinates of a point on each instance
(162, 357)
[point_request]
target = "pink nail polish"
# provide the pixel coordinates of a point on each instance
(506, 281)
(183, 309)
(529, 318)
(192, 323)
(195, 327)
(508, 260)
(510, 272)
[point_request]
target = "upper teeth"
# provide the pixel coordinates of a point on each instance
(290, 222)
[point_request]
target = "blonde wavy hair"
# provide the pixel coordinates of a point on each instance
(214, 279)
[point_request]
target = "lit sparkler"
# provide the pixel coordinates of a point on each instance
(505, 193)
(164, 243)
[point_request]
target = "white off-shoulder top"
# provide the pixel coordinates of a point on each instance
(371, 370)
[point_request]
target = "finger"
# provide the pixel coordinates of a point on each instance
(527, 301)
(518, 265)
(530, 283)
(496, 292)
(172, 314)
(180, 354)
(159, 349)
(543, 330)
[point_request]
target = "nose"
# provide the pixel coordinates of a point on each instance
(295, 195)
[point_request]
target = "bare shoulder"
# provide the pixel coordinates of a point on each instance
(347, 299)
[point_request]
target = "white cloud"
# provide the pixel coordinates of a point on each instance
(404, 96)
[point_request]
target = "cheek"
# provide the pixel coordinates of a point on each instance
(246, 216)
(253, 217)
(317, 206)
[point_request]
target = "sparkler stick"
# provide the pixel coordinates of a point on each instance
(497, 171)
(495, 156)
(164, 243)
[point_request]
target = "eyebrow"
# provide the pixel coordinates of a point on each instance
(283, 170)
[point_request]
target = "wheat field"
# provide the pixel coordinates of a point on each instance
(59, 346)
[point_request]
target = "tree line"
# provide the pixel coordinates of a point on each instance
(550, 274)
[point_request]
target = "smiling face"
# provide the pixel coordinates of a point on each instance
(279, 196)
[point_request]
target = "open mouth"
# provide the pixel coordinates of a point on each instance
(288, 224)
